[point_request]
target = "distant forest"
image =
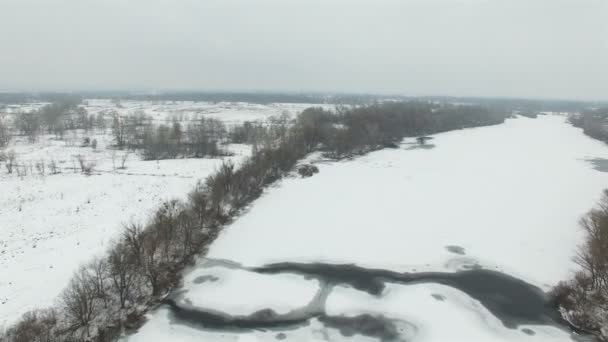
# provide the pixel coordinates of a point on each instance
(504, 104)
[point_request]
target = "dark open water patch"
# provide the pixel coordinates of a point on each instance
(513, 301)
(217, 320)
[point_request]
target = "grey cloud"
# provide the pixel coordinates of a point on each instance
(524, 48)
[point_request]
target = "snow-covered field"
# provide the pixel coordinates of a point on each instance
(50, 224)
(504, 198)
(228, 112)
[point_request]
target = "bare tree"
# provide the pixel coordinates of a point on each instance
(123, 272)
(123, 160)
(151, 264)
(11, 161)
(53, 167)
(100, 121)
(29, 124)
(4, 134)
(118, 129)
(99, 274)
(79, 301)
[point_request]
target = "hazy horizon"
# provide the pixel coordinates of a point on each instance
(541, 49)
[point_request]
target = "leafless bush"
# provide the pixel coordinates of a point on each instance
(40, 167)
(21, 170)
(53, 167)
(86, 166)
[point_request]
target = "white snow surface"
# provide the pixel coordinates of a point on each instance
(222, 289)
(511, 195)
(228, 112)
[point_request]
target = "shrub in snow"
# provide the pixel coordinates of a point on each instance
(422, 140)
(307, 170)
(86, 166)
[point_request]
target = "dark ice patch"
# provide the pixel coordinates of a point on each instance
(421, 147)
(528, 331)
(205, 278)
(599, 164)
(439, 297)
(455, 249)
(280, 336)
(471, 267)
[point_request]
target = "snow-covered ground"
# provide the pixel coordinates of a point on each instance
(504, 198)
(50, 224)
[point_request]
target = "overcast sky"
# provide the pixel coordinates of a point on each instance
(512, 48)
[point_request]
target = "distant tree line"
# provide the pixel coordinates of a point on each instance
(352, 131)
(584, 298)
(51, 97)
(110, 295)
(198, 139)
(593, 122)
(501, 104)
(56, 118)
